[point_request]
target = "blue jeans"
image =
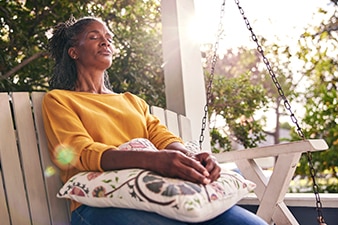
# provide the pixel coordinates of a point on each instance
(86, 215)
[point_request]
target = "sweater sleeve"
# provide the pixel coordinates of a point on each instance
(69, 143)
(158, 133)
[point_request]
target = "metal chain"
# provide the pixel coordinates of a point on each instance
(287, 105)
(292, 115)
(212, 72)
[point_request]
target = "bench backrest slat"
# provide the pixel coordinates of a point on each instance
(29, 181)
(31, 165)
(52, 179)
(185, 128)
(13, 179)
(172, 122)
(159, 113)
(3, 203)
(178, 124)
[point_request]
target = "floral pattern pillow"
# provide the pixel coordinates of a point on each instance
(145, 190)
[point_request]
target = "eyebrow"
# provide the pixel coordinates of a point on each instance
(96, 31)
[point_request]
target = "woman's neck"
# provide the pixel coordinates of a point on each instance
(91, 84)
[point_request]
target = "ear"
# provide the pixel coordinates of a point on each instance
(72, 53)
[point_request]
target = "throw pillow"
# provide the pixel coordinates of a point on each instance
(145, 190)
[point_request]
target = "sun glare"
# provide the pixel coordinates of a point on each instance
(196, 32)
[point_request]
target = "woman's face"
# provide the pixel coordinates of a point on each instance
(94, 49)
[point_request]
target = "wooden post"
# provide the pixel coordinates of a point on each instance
(183, 72)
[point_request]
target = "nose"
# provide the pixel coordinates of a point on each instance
(105, 42)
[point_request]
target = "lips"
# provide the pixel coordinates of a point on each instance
(105, 52)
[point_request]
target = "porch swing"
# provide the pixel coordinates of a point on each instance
(269, 191)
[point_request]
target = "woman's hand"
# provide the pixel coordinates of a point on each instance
(210, 164)
(210, 171)
(173, 163)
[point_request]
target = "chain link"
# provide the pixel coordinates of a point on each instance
(212, 72)
(292, 115)
(287, 105)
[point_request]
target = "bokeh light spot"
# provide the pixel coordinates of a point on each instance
(49, 171)
(64, 154)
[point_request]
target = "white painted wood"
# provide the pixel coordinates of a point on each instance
(252, 171)
(283, 216)
(172, 122)
(277, 188)
(329, 200)
(28, 145)
(26, 200)
(3, 203)
(271, 191)
(159, 113)
(11, 167)
(178, 124)
(185, 128)
(59, 208)
(273, 150)
(183, 72)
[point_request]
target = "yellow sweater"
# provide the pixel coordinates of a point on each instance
(80, 126)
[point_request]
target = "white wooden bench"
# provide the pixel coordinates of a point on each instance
(270, 190)
(28, 185)
(29, 181)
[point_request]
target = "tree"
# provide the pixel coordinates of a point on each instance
(234, 99)
(25, 64)
(245, 68)
(317, 50)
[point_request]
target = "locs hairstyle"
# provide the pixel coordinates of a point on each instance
(65, 35)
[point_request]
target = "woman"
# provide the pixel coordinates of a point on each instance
(82, 114)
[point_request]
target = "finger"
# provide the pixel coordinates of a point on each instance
(215, 173)
(213, 167)
(182, 167)
(194, 171)
(210, 162)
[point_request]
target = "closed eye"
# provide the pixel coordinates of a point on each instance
(109, 38)
(93, 37)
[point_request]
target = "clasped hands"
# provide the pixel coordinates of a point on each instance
(201, 168)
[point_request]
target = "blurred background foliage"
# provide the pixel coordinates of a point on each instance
(25, 65)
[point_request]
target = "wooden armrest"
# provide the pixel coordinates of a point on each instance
(273, 150)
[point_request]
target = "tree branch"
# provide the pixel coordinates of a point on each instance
(24, 63)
